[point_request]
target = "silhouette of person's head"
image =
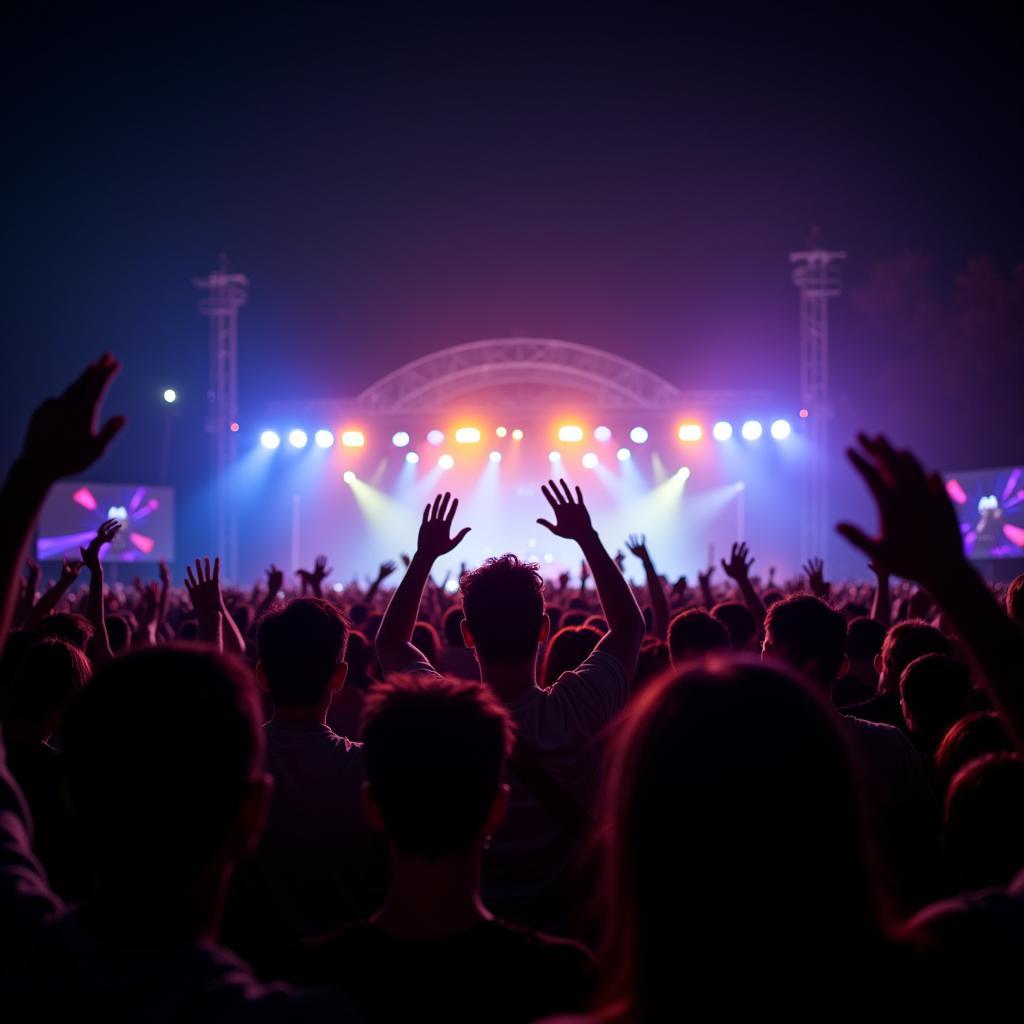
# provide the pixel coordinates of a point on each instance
(164, 753)
(119, 633)
(435, 757)
(74, 628)
(693, 634)
(452, 626)
(739, 621)
(50, 672)
(426, 639)
(934, 693)
(730, 837)
(1015, 600)
(864, 639)
(983, 829)
(503, 604)
(566, 650)
(903, 643)
(806, 634)
(975, 735)
(302, 653)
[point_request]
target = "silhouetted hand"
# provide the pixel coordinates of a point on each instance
(62, 437)
(315, 578)
(204, 587)
(69, 573)
(815, 570)
(704, 578)
(165, 573)
(275, 580)
(878, 569)
(385, 570)
(919, 537)
(584, 574)
(638, 546)
(738, 568)
(435, 537)
(104, 535)
(563, 581)
(620, 561)
(572, 520)
(405, 560)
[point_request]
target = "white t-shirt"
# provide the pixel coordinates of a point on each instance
(526, 869)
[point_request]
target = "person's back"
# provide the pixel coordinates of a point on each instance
(436, 751)
(163, 753)
(316, 865)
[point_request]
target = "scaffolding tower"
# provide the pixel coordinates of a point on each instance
(816, 275)
(225, 293)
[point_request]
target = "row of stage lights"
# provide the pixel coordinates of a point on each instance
(751, 430)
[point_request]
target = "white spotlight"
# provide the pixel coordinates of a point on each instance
(602, 434)
(297, 438)
(348, 476)
(323, 438)
(412, 458)
(781, 430)
(623, 454)
(446, 462)
(495, 456)
(435, 437)
(722, 430)
(752, 430)
(400, 439)
(170, 396)
(270, 439)
(638, 435)
(554, 456)
(589, 460)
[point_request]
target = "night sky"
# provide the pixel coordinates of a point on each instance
(395, 180)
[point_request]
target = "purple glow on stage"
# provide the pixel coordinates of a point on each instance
(956, 492)
(1015, 535)
(83, 496)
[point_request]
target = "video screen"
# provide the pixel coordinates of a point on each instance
(74, 511)
(990, 506)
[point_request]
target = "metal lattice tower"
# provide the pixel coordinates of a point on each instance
(816, 274)
(226, 292)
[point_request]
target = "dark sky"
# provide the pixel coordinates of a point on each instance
(396, 180)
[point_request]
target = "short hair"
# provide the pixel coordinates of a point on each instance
(425, 639)
(567, 650)
(908, 640)
(435, 753)
(358, 614)
(808, 634)
(976, 734)
(983, 829)
(739, 622)
(119, 633)
(864, 638)
(300, 647)
(160, 749)
(452, 626)
(503, 602)
(48, 675)
(694, 633)
(1015, 600)
(934, 690)
(70, 626)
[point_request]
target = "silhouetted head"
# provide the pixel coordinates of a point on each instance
(804, 633)
(119, 633)
(739, 621)
(302, 652)
(435, 755)
(934, 693)
(567, 650)
(983, 828)
(70, 626)
(903, 643)
(503, 604)
(1015, 600)
(426, 639)
(452, 625)
(50, 672)
(164, 752)
(731, 836)
(975, 735)
(693, 634)
(864, 639)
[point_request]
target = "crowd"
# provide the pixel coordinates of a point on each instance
(583, 800)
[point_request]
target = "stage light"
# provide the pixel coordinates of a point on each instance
(638, 435)
(234, 427)
(548, 557)
(501, 431)
(570, 433)
(517, 434)
(602, 433)
(400, 439)
(722, 430)
(804, 413)
(170, 396)
(554, 456)
(270, 439)
(589, 460)
(691, 432)
(435, 437)
(412, 458)
(353, 439)
(297, 438)
(781, 430)
(446, 462)
(451, 586)
(467, 435)
(348, 476)
(495, 456)
(623, 454)
(683, 472)
(752, 430)
(324, 438)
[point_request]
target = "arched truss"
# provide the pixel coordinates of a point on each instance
(522, 365)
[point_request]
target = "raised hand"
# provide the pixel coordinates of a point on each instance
(275, 581)
(315, 578)
(62, 438)
(638, 546)
(919, 538)
(738, 568)
(620, 561)
(385, 570)
(104, 535)
(435, 537)
(165, 573)
(204, 587)
(704, 578)
(69, 573)
(572, 520)
(815, 571)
